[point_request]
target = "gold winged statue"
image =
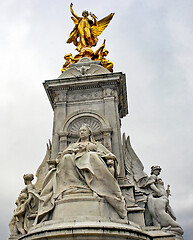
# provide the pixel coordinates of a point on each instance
(86, 31)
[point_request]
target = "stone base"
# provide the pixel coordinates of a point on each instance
(52, 230)
(89, 217)
(14, 237)
(89, 207)
(136, 215)
(157, 234)
(85, 231)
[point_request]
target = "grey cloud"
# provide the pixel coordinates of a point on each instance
(145, 42)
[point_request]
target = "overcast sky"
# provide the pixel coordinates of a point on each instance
(151, 41)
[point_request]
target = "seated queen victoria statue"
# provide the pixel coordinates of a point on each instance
(84, 166)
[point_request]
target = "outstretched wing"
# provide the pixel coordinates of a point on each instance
(133, 166)
(127, 161)
(43, 168)
(101, 25)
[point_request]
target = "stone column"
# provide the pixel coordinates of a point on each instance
(59, 117)
(63, 137)
(112, 114)
(107, 138)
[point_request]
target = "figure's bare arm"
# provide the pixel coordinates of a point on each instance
(69, 150)
(72, 11)
(110, 156)
(20, 211)
(66, 151)
(156, 190)
(153, 186)
(94, 18)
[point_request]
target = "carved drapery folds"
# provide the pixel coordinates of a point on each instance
(150, 192)
(26, 210)
(99, 125)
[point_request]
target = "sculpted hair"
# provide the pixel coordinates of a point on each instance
(153, 168)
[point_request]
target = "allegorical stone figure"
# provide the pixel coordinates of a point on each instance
(17, 223)
(158, 204)
(153, 195)
(27, 204)
(84, 166)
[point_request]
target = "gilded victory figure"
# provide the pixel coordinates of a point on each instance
(86, 31)
(84, 36)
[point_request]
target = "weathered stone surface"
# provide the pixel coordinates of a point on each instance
(84, 207)
(84, 67)
(97, 99)
(150, 193)
(157, 234)
(99, 207)
(87, 231)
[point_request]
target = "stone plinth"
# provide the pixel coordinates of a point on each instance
(89, 217)
(134, 212)
(136, 215)
(86, 231)
(82, 207)
(157, 234)
(14, 237)
(53, 230)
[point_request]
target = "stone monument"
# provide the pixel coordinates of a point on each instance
(91, 184)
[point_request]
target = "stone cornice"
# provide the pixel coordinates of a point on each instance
(116, 80)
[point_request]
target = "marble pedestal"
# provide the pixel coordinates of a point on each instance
(87, 217)
(85, 231)
(59, 230)
(79, 207)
